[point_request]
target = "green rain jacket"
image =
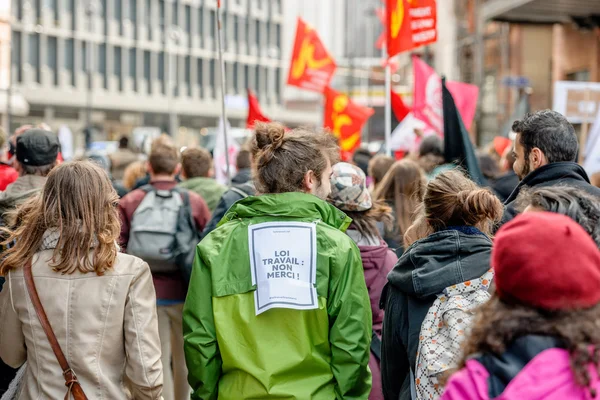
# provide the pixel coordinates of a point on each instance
(232, 353)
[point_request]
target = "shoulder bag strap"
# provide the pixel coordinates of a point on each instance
(70, 378)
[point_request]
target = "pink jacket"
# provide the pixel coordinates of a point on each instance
(547, 377)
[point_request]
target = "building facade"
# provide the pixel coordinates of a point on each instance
(149, 59)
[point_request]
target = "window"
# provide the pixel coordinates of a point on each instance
(161, 71)
(52, 7)
(278, 37)
(201, 25)
(147, 61)
(236, 80)
(70, 59)
(71, 9)
(34, 54)
(212, 27)
(148, 18)
(133, 68)
(51, 49)
(118, 11)
(246, 82)
(161, 14)
(38, 11)
(132, 17)
(188, 75)
(17, 10)
(257, 80)
(257, 33)
(188, 20)
(16, 57)
(102, 64)
(84, 59)
(237, 26)
(278, 85)
(117, 67)
(175, 13)
(212, 78)
(225, 33)
(200, 73)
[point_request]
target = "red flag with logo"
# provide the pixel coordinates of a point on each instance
(312, 66)
(410, 24)
(427, 105)
(345, 119)
(254, 111)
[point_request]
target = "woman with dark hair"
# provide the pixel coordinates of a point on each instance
(349, 193)
(566, 200)
(451, 250)
(100, 303)
(402, 189)
(538, 337)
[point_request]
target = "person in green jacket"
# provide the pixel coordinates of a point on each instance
(277, 305)
(196, 170)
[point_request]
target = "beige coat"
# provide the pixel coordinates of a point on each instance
(106, 326)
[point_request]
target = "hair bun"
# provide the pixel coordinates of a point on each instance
(269, 135)
(478, 205)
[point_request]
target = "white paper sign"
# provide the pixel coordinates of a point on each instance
(283, 259)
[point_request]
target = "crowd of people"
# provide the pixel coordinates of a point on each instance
(308, 278)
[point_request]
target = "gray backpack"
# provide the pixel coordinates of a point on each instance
(163, 232)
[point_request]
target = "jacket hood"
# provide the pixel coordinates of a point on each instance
(442, 259)
(21, 189)
(243, 176)
(373, 256)
(294, 205)
(551, 172)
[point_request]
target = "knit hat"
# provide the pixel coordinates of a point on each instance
(349, 188)
(546, 260)
(37, 148)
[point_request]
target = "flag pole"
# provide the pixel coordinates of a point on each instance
(223, 108)
(388, 104)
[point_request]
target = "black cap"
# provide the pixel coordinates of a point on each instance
(37, 147)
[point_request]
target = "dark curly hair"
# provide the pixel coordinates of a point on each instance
(575, 203)
(498, 323)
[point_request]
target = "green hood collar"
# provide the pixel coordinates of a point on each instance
(288, 205)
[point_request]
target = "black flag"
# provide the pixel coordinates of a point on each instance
(458, 147)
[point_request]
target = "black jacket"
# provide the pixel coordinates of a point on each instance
(505, 367)
(505, 184)
(565, 173)
(425, 269)
(228, 199)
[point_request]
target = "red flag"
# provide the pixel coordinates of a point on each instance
(312, 66)
(345, 119)
(410, 24)
(427, 104)
(400, 109)
(254, 111)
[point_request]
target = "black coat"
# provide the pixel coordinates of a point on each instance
(425, 269)
(561, 173)
(504, 185)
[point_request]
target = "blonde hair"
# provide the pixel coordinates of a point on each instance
(133, 173)
(452, 199)
(79, 203)
(403, 186)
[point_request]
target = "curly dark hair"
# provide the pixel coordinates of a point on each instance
(498, 323)
(575, 203)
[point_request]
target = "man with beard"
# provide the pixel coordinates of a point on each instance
(277, 304)
(545, 151)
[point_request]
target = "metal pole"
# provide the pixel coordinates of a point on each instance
(223, 108)
(388, 105)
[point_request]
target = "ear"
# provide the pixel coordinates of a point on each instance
(149, 168)
(310, 181)
(177, 170)
(211, 173)
(537, 158)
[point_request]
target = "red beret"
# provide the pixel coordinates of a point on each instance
(546, 260)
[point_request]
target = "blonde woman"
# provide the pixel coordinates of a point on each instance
(100, 303)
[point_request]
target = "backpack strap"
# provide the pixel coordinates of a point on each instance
(376, 346)
(240, 192)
